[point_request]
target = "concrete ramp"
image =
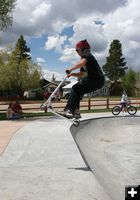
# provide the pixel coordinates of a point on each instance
(110, 146)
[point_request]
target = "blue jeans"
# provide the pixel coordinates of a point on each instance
(15, 116)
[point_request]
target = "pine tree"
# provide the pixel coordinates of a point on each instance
(21, 52)
(115, 67)
(115, 64)
(6, 8)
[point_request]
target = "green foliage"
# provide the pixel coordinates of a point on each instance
(17, 71)
(28, 115)
(129, 82)
(115, 68)
(21, 51)
(6, 8)
(116, 90)
(137, 85)
(4, 70)
(115, 64)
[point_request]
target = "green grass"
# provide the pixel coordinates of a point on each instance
(27, 115)
(2, 116)
(96, 110)
(39, 114)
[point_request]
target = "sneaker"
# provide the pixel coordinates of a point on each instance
(77, 114)
(65, 113)
(68, 114)
(123, 114)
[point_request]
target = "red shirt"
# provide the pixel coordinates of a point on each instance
(17, 107)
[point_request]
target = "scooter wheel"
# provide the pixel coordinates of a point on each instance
(76, 122)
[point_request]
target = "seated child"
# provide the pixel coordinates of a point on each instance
(14, 111)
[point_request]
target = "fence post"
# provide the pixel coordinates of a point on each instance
(107, 102)
(89, 102)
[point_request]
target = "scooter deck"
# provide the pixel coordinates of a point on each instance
(75, 121)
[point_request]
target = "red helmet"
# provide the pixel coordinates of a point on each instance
(83, 44)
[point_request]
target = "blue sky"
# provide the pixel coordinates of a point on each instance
(38, 51)
(52, 28)
(37, 46)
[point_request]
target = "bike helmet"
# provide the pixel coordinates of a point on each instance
(83, 44)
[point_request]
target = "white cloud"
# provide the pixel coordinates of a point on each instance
(124, 25)
(121, 19)
(59, 25)
(40, 60)
(71, 10)
(49, 74)
(58, 76)
(55, 42)
(86, 28)
(41, 11)
(69, 55)
(32, 18)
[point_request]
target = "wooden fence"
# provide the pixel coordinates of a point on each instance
(86, 104)
(109, 103)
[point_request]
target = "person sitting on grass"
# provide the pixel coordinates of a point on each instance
(14, 111)
(17, 108)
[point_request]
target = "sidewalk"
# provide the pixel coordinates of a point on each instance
(7, 130)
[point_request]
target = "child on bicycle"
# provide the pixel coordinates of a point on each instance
(124, 101)
(93, 80)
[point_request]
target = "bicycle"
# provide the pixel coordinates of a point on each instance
(129, 108)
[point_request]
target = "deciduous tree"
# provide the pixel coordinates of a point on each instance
(17, 70)
(6, 9)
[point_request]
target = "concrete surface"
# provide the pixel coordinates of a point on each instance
(43, 162)
(7, 129)
(111, 148)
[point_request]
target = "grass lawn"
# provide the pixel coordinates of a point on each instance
(40, 114)
(27, 115)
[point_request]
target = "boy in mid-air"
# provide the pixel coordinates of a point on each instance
(93, 80)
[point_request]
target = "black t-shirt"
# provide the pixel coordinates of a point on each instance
(92, 66)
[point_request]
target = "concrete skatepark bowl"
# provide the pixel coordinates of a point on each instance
(110, 146)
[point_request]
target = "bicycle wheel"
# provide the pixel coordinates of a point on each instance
(132, 110)
(116, 110)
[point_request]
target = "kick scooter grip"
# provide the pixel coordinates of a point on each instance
(68, 71)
